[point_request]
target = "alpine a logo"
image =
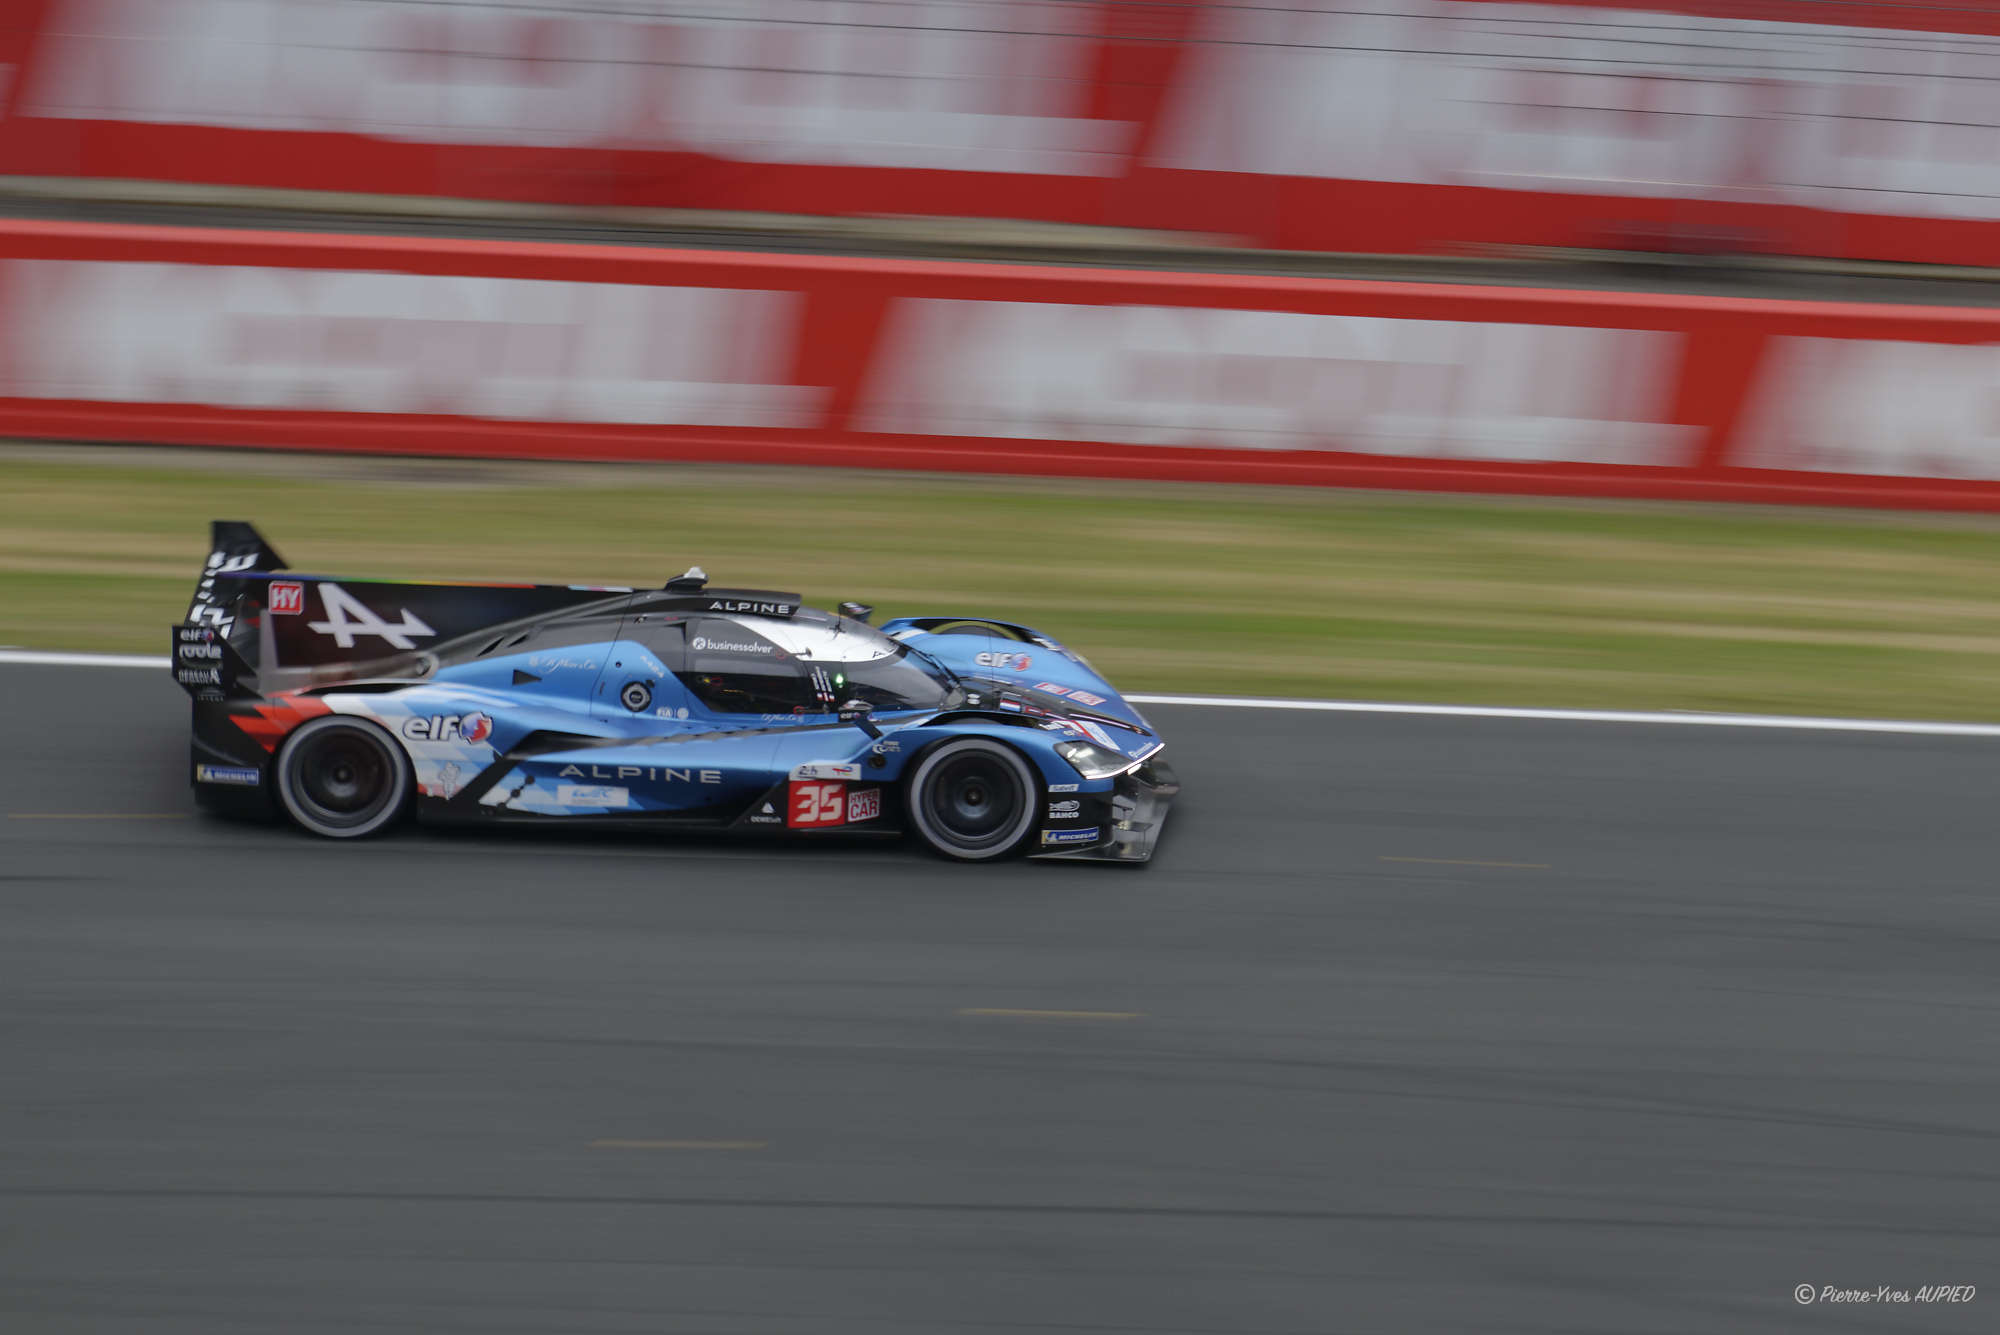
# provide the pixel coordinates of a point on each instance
(348, 618)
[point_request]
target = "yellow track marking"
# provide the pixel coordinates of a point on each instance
(1007, 1012)
(1470, 862)
(679, 1144)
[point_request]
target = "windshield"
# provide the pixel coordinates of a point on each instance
(899, 682)
(868, 666)
(768, 665)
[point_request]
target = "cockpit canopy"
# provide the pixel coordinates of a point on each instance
(800, 665)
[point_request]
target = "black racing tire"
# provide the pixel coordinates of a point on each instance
(343, 778)
(973, 800)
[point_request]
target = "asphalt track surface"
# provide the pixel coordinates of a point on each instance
(1414, 1025)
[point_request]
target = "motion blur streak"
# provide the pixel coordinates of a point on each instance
(1808, 126)
(1736, 1038)
(490, 349)
(1910, 727)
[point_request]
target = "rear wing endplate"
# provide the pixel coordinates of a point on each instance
(207, 666)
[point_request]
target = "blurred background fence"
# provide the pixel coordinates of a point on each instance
(1805, 127)
(446, 346)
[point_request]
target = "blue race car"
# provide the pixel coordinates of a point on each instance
(349, 704)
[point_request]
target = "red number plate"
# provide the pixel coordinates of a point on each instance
(816, 803)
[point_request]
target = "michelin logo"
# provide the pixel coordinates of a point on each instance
(240, 775)
(1071, 836)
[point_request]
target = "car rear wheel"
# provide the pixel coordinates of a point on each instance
(343, 778)
(973, 800)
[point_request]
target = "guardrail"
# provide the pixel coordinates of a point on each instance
(454, 347)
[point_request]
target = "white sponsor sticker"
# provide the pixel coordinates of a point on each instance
(826, 769)
(1096, 734)
(591, 795)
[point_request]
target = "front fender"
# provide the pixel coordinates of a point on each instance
(1006, 652)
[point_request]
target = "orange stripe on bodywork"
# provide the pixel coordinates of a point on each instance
(274, 720)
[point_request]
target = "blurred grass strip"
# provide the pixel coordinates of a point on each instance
(1240, 591)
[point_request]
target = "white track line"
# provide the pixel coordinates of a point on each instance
(38, 658)
(1917, 727)
(1911, 727)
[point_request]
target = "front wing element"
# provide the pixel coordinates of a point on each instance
(1133, 816)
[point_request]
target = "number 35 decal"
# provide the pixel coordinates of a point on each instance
(830, 803)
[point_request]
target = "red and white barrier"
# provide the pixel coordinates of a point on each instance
(1865, 130)
(398, 345)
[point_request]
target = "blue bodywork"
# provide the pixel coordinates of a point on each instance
(612, 708)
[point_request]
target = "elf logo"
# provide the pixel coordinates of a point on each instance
(472, 728)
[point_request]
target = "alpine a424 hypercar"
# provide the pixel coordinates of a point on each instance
(349, 704)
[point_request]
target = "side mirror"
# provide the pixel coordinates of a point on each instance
(861, 715)
(859, 611)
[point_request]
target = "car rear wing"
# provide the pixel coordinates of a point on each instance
(257, 628)
(234, 547)
(206, 664)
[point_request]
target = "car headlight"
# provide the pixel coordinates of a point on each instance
(1093, 762)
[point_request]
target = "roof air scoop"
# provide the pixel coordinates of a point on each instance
(694, 581)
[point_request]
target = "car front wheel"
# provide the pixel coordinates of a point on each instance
(343, 778)
(973, 800)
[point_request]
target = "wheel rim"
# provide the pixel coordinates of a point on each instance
(344, 778)
(974, 800)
